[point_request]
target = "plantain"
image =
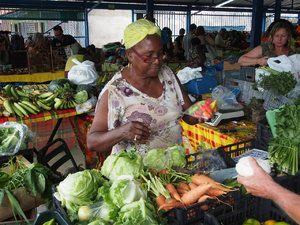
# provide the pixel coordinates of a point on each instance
(49, 99)
(14, 92)
(31, 105)
(58, 102)
(28, 108)
(45, 95)
(8, 90)
(22, 94)
(42, 105)
(22, 110)
(8, 106)
(17, 111)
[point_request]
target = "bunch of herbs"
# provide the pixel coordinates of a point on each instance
(284, 149)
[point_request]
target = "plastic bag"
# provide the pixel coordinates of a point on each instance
(203, 109)
(294, 94)
(285, 63)
(83, 73)
(188, 73)
(87, 105)
(225, 98)
(13, 137)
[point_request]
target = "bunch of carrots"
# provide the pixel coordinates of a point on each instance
(200, 189)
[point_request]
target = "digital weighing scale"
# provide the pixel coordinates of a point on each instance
(225, 115)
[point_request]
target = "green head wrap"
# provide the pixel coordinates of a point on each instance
(138, 30)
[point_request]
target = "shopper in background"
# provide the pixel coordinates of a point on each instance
(196, 54)
(262, 185)
(168, 47)
(64, 40)
(141, 106)
(207, 43)
(186, 42)
(38, 44)
(178, 49)
(279, 43)
(96, 55)
(219, 40)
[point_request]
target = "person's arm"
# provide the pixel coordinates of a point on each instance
(201, 53)
(254, 57)
(100, 139)
(262, 185)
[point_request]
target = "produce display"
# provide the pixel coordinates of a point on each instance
(61, 94)
(128, 191)
(252, 221)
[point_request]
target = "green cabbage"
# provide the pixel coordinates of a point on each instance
(81, 97)
(124, 163)
(79, 189)
(125, 190)
(109, 212)
(156, 159)
(178, 153)
(99, 222)
(138, 213)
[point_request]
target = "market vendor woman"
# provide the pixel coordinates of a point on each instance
(142, 104)
(279, 43)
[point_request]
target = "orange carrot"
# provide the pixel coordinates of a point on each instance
(173, 192)
(154, 171)
(203, 179)
(193, 195)
(163, 171)
(184, 186)
(214, 192)
(204, 198)
(181, 191)
(160, 200)
(192, 185)
(168, 206)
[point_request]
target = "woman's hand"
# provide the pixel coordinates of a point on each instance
(263, 61)
(137, 132)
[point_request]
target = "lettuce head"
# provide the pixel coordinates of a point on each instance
(139, 213)
(156, 159)
(178, 153)
(124, 163)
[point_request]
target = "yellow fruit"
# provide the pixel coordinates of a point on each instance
(270, 222)
(85, 213)
(251, 221)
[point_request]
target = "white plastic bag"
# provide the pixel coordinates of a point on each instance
(188, 73)
(83, 73)
(285, 63)
(87, 105)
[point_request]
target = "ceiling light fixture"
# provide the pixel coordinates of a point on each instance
(224, 3)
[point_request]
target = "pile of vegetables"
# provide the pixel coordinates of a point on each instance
(136, 193)
(272, 82)
(284, 148)
(34, 180)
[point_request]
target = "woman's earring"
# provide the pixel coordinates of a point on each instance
(129, 65)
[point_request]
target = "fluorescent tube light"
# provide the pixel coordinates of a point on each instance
(224, 3)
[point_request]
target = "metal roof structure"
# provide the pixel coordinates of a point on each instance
(286, 6)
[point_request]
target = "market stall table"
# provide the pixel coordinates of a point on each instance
(203, 136)
(47, 124)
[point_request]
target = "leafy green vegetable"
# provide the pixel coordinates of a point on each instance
(10, 138)
(81, 97)
(139, 213)
(178, 153)
(284, 149)
(156, 159)
(79, 189)
(125, 190)
(272, 82)
(124, 163)
(109, 212)
(99, 222)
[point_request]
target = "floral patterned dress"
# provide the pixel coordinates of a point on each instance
(126, 103)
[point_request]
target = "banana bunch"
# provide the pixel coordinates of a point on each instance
(64, 103)
(18, 103)
(46, 100)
